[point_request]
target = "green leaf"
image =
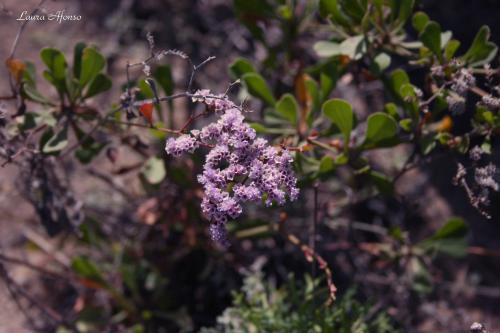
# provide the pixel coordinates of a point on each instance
(288, 108)
(241, 66)
(55, 62)
(329, 75)
(77, 59)
(445, 38)
(29, 75)
(257, 86)
(57, 142)
(398, 79)
(340, 113)
(421, 278)
(382, 61)
(431, 37)
(86, 154)
(419, 21)
(99, 84)
(33, 94)
(92, 63)
(428, 143)
(84, 267)
(330, 8)
(450, 49)
(406, 124)
(392, 110)
(326, 49)
(482, 50)
(450, 239)
(154, 170)
(381, 131)
(382, 182)
(163, 75)
(326, 164)
(259, 128)
(405, 10)
(353, 47)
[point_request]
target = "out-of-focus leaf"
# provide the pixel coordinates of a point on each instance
(154, 170)
(84, 267)
(92, 63)
(99, 84)
(326, 165)
(288, 108)
(450, 239)
(257, 86)
(326, 49)
(381, 131)
(241, 66)
(421, 278)
(353, 47)
(405, 10)
(340, 113)
(382, 182)
(55, 62)
(450, 49)
(77, 59)
(163, 75)
(445, 38)
(431, 37)
(398, 79)
(419, 21)
(330, 8)
(427, 143)
(482, 50)
(382, 61)
(259, 128)
(33, 94)
(57, 142)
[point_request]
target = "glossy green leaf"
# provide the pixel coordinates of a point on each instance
(92, 63)
(257, 86)
(482, 50)
(288, 108)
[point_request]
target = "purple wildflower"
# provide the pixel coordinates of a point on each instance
(239, 168)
